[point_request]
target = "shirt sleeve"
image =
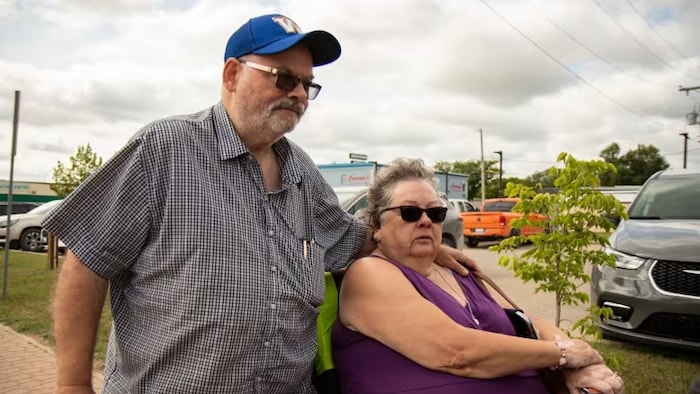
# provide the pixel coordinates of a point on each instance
(105, 221)
(342, 234)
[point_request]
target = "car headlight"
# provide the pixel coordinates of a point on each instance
(625, 261)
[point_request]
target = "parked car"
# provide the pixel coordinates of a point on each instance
(654, 289)
(354, 198)
(25, 228)
(17, 207)
(492, 222)
(462, 205)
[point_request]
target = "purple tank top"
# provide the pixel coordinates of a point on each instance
(366, 366)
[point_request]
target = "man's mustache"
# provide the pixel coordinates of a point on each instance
(291, 105)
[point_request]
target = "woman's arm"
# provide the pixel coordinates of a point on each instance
(378, 301)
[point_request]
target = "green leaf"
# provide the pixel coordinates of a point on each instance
(82, 164)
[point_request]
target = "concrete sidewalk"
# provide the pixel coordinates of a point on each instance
(28, 366)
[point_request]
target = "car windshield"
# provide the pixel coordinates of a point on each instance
(44, 208)
(499, 206)
(668, 198)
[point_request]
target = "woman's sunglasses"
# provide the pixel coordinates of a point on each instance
(285, 81)
(411, 213)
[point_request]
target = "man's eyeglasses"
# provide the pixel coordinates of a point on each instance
(411, 213)
(286, 81)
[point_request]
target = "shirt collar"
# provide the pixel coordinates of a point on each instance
(231, 146)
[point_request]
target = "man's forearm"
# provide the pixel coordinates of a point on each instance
(78, 302)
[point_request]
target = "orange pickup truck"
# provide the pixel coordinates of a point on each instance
(492, 222)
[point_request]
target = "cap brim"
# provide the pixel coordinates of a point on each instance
(324, 47)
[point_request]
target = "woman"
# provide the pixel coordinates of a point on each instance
(408, 325)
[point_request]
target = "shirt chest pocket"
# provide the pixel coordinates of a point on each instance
(312, 272)
(304, 253)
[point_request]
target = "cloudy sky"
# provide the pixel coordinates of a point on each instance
(417, 78)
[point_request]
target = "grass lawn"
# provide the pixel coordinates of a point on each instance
(27, 306)
(30, 286)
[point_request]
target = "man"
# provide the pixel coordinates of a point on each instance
(213, 232)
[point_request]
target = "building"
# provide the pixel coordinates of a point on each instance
(362, 173)
(27, 191)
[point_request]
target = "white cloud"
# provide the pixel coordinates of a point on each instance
(416, 78)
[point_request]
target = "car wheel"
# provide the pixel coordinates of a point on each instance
(472, 242)
(30, 240)
(447, 240)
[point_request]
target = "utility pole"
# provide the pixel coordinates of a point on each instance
(500, 172)
(686, 90)
(685, 148)
(691, 119)
(483, 167)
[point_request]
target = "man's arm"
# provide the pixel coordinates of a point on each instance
(456, 260)
(78, 301)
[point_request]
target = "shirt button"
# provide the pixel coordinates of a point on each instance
(273, 269)
(267, 344)
(258, 379)
(271, 233)
(273, 306)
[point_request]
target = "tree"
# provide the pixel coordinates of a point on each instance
(634, 167)
(82, 164)
(611, 154)
(639, 164)
(472, 168)
(539, 180)
(577, 231)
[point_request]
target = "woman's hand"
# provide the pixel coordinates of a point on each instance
(598, 378)
(577, 353)
(456, 260)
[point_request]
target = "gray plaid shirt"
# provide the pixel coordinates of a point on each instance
(211, 286)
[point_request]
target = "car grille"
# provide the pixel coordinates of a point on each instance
(672, 325)
(669, 277)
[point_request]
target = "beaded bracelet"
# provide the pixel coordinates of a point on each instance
(562, 356)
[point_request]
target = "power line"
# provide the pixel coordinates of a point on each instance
(653, 28)
(629, 33)
(678, 153)
(582, 45)
(572, 72)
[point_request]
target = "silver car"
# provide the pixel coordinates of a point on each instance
(654, 291)
(354, 198)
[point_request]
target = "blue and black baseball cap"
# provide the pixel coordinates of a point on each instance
(274, 33)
